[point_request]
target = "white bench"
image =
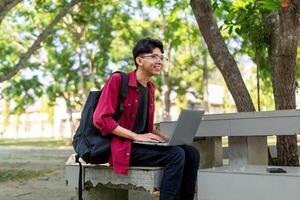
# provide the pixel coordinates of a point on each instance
(247, 146)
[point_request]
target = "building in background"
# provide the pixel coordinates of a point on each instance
(38, 122)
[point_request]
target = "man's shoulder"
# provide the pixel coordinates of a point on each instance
(115, 77)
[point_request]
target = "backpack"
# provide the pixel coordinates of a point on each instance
(88, 141)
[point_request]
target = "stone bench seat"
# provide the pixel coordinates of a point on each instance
(99, 181)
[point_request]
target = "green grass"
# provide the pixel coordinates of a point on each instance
(35, 142)
(17, 175)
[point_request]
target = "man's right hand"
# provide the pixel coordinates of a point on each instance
(148, 137)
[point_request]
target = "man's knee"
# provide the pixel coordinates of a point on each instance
(192, 153)
(178, 155)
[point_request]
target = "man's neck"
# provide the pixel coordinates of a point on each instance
(142, 77)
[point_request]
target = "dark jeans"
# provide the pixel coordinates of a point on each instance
(181, 165)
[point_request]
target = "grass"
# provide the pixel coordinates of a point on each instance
(17, 175)
(35, 142)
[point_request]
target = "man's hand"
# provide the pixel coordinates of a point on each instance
(148, 137)
(162, 135)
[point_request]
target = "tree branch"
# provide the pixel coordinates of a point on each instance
(5, 6)
(37, 43)
(221, 55)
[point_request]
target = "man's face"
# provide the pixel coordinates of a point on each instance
(151, 63)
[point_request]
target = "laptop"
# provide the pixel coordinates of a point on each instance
(185, 130)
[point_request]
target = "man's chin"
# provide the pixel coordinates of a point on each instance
(155, 73)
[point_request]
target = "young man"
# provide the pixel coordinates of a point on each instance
(136, 123)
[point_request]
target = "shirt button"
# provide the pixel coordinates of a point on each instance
(136, 101)
(127, 154)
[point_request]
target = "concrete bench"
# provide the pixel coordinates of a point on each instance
(99, 181)
(247, 135)
(248, 183)
(247, 146)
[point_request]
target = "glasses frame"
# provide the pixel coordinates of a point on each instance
(156, 57)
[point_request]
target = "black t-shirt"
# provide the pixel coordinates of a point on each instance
(140, 124)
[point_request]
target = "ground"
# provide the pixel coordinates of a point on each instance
(45, 165)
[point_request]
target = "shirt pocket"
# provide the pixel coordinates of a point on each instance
(124, 120)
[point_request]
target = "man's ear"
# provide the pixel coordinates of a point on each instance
(139, 61)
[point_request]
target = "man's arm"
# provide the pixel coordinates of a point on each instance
(147, 137)
(107, 105)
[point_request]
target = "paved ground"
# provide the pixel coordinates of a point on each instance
(47, 187)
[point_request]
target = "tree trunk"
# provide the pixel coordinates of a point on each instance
(166, 91)
(221, 55)
(166, 97)
(92, 68)
(282, 59)
(258, 61)
(78, 34)
(205, 84)
(83, 95)
(72, 127)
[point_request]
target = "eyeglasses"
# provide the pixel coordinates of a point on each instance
(156, 58)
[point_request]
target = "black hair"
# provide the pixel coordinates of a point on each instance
(146, 45)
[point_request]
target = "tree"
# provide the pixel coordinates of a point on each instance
(282, 60)
(7, 73)
(183, 47)
(24, 29)
(6, 6)
(281, 36)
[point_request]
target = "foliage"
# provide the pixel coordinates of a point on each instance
(184, 47)
(246, 23)
(93, 40)
(23, 92)
(18, 31)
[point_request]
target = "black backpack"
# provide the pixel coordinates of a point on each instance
(88, 141)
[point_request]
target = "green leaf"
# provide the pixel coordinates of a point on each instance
(269, 4)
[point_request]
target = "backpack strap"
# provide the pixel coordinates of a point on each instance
(124, 85)
(80, 177)
(122, 93)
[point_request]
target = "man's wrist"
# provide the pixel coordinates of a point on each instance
(134, 136)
